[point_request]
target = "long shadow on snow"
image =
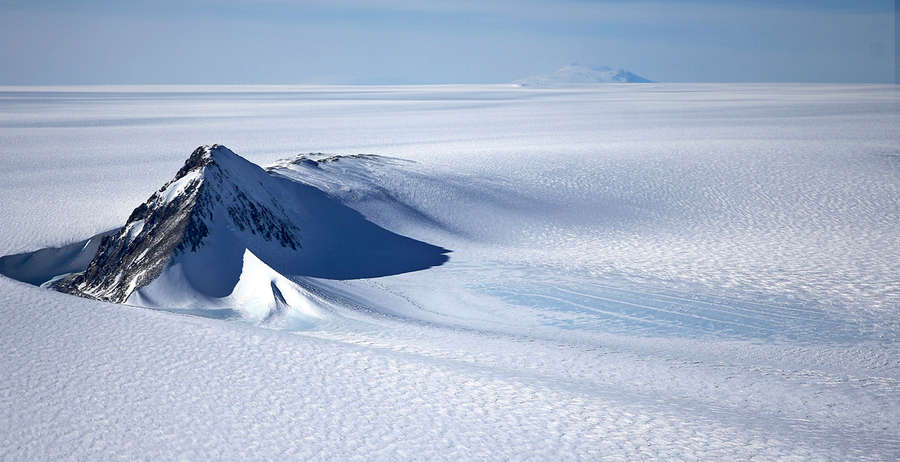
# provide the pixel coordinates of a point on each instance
(338, 243)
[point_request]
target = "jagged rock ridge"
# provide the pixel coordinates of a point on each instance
(214, 187)
(226, 238)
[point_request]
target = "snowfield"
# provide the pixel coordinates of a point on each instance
(655, 271)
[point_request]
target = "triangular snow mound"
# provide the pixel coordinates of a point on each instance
(226, 234)
(577, 74)
(260, 295)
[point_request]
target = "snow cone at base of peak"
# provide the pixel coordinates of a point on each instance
(214, 187)
(187, 246)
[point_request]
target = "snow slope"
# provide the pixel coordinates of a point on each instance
(193, 245)
(50, 264)
(105, 381)
(657, 272)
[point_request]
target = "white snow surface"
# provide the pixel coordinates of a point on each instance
(637, 272)
(261, 295)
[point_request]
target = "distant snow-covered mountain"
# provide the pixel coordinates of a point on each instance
(577, 74)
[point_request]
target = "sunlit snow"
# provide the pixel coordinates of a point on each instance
(656, 271)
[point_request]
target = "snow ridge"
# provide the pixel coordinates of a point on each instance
(226, 238)
(214, 185)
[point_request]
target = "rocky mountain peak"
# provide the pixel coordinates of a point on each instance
(215, 190)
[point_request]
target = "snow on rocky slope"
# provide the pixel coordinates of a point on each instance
(210, 237)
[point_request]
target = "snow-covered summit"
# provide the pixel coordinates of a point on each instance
(215, 190)
(576, 74)
(225, 233)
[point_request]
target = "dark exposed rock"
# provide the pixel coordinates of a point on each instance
(198, 159)
(177, 219)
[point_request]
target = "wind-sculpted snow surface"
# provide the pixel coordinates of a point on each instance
(647, 272)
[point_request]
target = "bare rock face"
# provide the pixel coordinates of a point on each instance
(215, 189)
(223, 231)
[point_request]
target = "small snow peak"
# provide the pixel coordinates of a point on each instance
(198, 159)
(204, 156)
(218, 151)
(577, 74)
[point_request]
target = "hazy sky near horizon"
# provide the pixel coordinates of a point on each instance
(442, 41)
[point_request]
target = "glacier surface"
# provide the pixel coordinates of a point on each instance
(657, 271)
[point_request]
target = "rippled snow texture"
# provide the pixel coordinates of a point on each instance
(652, 271)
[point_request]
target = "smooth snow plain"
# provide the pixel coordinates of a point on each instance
(655, 271)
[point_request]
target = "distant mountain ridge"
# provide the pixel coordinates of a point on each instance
(577, 74)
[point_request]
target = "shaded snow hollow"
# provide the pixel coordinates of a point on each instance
(228, 236)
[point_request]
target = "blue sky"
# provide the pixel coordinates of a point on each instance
(442, 41)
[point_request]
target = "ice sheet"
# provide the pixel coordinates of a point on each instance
(660, 271)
